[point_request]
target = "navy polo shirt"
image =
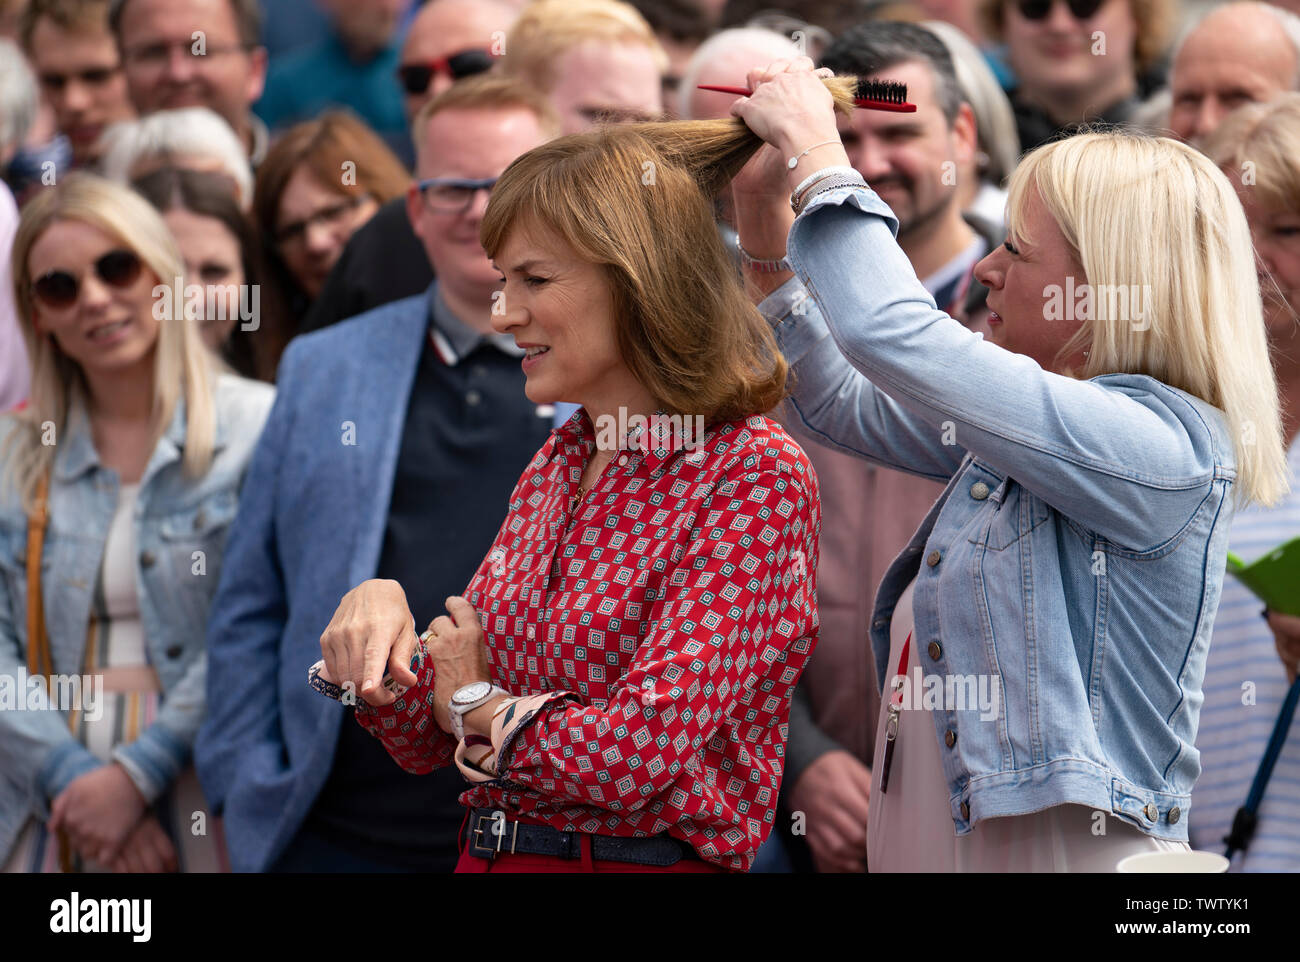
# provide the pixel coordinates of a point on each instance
(469, 433)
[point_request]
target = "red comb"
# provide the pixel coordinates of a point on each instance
(872, 95)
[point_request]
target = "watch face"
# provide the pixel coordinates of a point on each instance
(471, 693)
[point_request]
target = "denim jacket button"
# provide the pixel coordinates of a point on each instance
(147, 559)
(173, 651)
(1175, 813)
(936, 650)
(1150, 811)
(979, 490)
(965, 811)
(932, 558)
(950, 738)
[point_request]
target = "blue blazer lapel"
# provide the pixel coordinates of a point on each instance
(392, 350)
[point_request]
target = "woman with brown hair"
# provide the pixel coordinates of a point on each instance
(320, 181)
(222, 257)
(615, 682)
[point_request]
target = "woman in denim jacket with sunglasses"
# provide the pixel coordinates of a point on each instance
(143, 444)
(1063, 587)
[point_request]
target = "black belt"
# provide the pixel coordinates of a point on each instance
(491, 834)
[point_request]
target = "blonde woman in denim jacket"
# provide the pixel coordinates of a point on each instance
(144, 442)
(1062, 590)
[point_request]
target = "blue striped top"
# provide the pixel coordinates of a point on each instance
(1243, 667)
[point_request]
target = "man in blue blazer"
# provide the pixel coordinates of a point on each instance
(394, 443)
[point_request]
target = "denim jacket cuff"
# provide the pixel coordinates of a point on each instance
(795, 320)
(153, 760)
(863, 198)
(66, 762)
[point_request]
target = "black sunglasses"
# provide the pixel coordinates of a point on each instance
(59, 289)
(416, 77)
(1039, 9)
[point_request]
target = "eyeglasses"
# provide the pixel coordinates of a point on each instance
(58, 290)
(1039, 9)
(333, 216)
(94, 77)
(452, 195)
(416, 77)
(156, 55)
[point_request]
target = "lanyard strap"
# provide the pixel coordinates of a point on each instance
(896, 699)
(1243, 823)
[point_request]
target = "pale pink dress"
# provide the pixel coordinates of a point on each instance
(910, 828)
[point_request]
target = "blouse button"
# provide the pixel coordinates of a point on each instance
(531, 632)
(622, 459)
(979, 490)
(936, 650)
(933, 557)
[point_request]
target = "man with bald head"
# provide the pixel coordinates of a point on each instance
(1239, 53)
(448, 40)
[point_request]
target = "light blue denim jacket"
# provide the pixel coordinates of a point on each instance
(1075, 558)
(176, 516)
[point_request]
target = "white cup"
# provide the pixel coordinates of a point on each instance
(1179, 862)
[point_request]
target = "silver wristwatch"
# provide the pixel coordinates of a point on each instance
(468, 698)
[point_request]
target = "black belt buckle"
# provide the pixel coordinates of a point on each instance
(497, 825)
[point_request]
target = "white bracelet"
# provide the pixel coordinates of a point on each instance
(793, 162)
(761, 265)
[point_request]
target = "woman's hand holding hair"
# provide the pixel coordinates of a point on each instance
(791, 109)
(372, 629)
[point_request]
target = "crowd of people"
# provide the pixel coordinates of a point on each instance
(445, 436)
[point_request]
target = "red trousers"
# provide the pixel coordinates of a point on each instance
(545, 864)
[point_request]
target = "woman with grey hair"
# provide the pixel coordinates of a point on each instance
(194, 138)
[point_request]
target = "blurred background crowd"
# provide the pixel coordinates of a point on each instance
(313, 160)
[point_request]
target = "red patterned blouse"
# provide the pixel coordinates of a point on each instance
(666, 623)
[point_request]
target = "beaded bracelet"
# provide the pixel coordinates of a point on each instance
(818, 175)
(827, 184)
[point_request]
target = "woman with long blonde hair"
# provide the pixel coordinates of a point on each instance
(120, 478)
(1042, 640)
